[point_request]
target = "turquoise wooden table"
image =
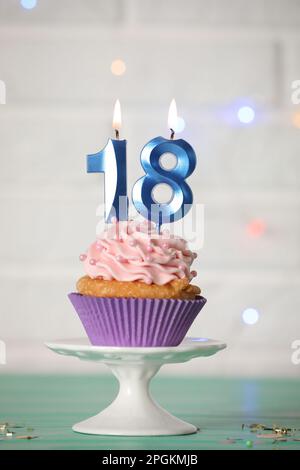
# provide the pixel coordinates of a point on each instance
(52, 404)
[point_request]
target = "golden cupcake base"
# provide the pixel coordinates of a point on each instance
(176, 289)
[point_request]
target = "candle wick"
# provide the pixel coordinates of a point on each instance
(117, 134)
(172, 133)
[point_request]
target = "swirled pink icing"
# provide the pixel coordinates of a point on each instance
(130, 251)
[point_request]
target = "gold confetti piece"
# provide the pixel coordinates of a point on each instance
(4, 426)
(27, 437)
(258, 426)
(282, 430)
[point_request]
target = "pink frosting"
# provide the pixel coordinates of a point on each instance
(127, 251)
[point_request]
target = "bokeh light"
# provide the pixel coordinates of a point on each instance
(28, 4)
(256, 228)
(296, 120)
(118, 67)
(250, 316)
(246, 114)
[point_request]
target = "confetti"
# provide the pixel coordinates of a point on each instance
(4, 426)
(275, 437)
(277, 434)
(6, 431)
(283, 430)
(255, 427)
(228, 441)
(259, 427)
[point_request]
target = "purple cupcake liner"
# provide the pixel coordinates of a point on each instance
(135, 322)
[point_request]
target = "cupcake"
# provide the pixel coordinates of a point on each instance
(137, 290)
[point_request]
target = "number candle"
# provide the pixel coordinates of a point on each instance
(182, 199)
(111, 161)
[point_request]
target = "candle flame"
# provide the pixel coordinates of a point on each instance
(117, 117)
(172, 116)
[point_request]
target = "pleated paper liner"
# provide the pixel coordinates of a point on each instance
(136, 322)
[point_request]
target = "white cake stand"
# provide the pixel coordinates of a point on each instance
(134, 412)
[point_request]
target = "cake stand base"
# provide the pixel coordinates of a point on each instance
(134, 412)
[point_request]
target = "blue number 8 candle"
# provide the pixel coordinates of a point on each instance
(112, 162)
(182, 199)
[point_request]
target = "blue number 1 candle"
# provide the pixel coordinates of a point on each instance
(111, 161)
(155, 173)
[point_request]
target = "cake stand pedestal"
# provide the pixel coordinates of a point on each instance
(134, 412)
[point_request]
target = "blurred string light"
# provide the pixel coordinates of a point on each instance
(256, 228)
(118, 67)
(241, 111)
(296, 120)
(250, 316)
(28, 4)
(246, 114)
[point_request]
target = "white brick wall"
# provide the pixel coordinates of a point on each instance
(192, 71)
(217, 13)
(63, 12)
(55, 61)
